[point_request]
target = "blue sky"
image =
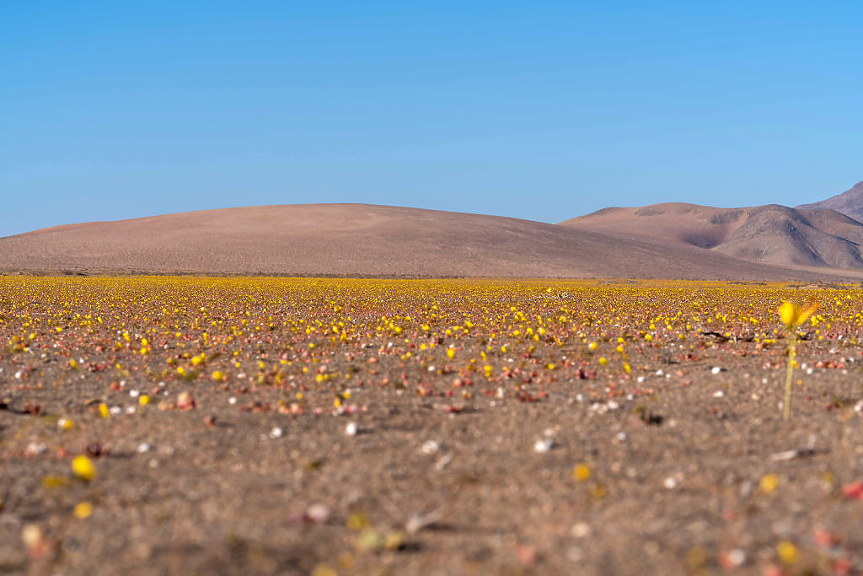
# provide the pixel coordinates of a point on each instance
(541, 110)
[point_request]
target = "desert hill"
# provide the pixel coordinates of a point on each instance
(770, 234)
(366, 240)
(849, 202)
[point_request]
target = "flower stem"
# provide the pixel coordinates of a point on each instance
(792, 345)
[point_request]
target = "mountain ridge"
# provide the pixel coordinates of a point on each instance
(770, 233)
(849, 202)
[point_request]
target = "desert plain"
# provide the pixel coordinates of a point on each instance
(202, 425)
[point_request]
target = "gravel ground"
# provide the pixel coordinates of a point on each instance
(683, 466)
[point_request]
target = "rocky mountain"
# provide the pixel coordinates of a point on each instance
(849, 202)
(770, 234)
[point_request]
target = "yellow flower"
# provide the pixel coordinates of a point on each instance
(793, 316)
(769, 483)
(83, 468)
(581, 472)
(83, 510)
(104, 412)
(787, 552)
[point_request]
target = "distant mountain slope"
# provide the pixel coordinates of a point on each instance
(849, 202)
(364, 240)
(770, 234)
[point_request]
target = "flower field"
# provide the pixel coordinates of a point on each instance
(323, 426)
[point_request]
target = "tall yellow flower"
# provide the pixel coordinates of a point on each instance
(792, 317)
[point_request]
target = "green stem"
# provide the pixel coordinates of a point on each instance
(792, 345)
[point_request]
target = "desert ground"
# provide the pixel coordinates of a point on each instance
(179, 425)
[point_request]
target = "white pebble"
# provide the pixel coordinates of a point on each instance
(670, 483)
(232, 400)
(543, 446)
(134, 393)
(318, 513)
(35, 448)
(581, 530)
(351, 429)
(718, 394)
(621, 436)
(116, 410)
(443, 462)
(276, 432)
(736, 557)
(430, 447)
(715, 370)
(144, 447)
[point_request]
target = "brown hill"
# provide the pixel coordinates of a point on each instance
(849, 202)
(770, 234)
(364, 240)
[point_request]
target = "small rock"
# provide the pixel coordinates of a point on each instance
(544, 445)
(443, 462)
(351, 429)
(318, 513)
(430, 447)
(732, 559)
(185, 401)
(35, 449)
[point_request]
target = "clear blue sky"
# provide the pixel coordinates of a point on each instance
(539, 110)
